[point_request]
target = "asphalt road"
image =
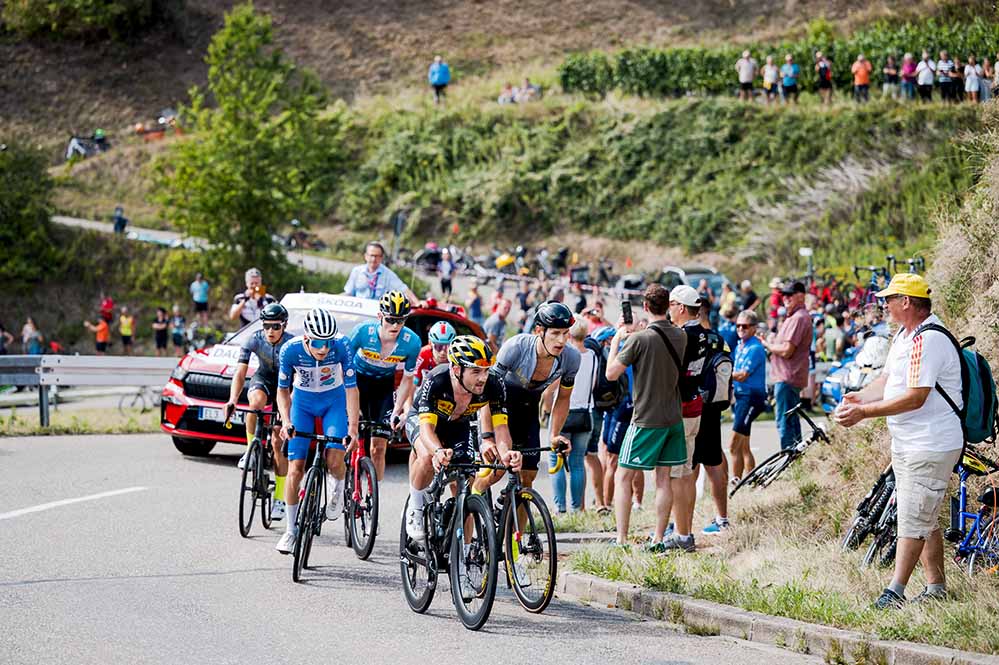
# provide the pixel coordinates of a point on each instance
(155, 572)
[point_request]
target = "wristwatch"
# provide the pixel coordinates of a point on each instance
(488, 435)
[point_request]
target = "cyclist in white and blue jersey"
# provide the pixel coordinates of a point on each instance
(325, 392)
(377, 349)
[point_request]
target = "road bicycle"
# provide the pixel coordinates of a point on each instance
(256, 485)
(459, 537)
(145, 399)
(526, 538)
(772, 467)
(870, 509)
(977, 546)
(884, 544)
(880, 276)
(312, 506)
(360, 491)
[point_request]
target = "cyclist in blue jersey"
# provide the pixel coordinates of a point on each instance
(266, 345)
(377, 349)
(325, 390)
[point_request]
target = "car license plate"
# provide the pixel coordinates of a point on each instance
(218, 415)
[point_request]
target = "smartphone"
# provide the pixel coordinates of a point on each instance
(626, 312)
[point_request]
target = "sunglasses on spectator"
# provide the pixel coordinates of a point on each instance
(320, 343)
(395, 320)
(273, 326)
(740, 326)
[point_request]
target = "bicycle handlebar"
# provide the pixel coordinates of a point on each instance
(798, 410)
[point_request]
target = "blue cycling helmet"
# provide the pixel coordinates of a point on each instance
(602, 334)
(441, 332)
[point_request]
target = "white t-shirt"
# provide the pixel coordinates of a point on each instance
(747, 70)
(586, 378)
(922, 363)
(924, 72)
(770, 73)
(972, 73)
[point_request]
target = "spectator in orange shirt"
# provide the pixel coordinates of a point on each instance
(102, 334)
(861, 78)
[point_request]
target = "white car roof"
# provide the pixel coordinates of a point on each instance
(332, 302)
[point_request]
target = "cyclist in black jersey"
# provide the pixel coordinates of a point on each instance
(266, 345)
(438, 426)
(528, 364)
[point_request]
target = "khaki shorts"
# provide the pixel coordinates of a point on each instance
(691, 426)
(921, 479)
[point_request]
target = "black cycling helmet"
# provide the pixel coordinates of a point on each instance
(554, 314)
(274, 312)
(395, 303)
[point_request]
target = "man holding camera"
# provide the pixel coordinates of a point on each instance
(247, 304)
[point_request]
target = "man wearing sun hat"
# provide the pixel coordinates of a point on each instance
(789, 348)
(926, 434)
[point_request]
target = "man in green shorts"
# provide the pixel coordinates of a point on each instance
(655, 439)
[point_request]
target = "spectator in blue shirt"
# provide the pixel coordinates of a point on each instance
(372, 280)
(439, 76)
(199, 295)
(726, 327)
(789, 78)
(749, 374)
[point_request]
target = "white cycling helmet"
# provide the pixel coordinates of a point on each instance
(320, 324)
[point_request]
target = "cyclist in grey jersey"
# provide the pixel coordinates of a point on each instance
(528, 365)
(266, 345)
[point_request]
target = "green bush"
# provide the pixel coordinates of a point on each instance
(25, 206)
(85, 18)
(650, 71)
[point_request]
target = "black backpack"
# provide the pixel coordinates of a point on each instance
(607, 394)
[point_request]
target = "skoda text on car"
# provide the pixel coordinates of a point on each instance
(193, 407)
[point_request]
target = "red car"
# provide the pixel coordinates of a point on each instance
(198, 389)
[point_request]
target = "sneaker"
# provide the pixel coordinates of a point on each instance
(927, 596)
(287, 543)
(414, 525)
(334, 507)
(635, 506)
(622, 547)
(734, 480)
(715, 526)
(654, 547)
(889, 600)
(674, 542)
(277, 510)
(241, 464)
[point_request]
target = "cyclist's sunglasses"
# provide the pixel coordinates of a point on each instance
(320, 343)
(482, 362)
(273, 326)
(395, 320)
(440, 348)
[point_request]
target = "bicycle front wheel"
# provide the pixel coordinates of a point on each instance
(419, 578)
(530, 551)
(882, 550)
(363, 513)
(767, 471)
(308, 513)
(247, 488)
(264, 490)
(473, 564)
(132, 401)
(984, 558)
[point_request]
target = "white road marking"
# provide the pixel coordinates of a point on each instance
(66, 502)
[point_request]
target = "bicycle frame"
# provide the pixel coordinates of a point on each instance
(970, 542)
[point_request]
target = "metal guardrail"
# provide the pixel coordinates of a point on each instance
(50, 370)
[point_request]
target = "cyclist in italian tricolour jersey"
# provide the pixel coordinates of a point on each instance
(377, 349)
(325, 390)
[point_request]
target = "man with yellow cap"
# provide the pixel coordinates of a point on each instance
(926, 434)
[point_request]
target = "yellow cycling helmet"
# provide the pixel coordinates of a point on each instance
(395, 303)
(469, 351)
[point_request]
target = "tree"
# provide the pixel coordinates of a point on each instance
(263, 153)
(25, 206)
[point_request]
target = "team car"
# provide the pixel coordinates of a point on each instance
(193, 406)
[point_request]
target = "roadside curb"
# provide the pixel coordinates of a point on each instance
(577, 538)
(702, 617)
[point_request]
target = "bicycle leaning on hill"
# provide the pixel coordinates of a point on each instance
(772, 467)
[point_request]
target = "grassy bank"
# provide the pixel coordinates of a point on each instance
(24, 422)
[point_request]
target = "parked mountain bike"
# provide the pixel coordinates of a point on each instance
(145, 399)
(527, 539)
(977, 545)
(256, 485)
(460, 537)
(870, 509)
(312, 507)
(360, 491)
(770, 469)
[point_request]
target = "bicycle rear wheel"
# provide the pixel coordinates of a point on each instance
(882, 550)
(307, 515)
(767, 471)
(419, 577)
(363, 513)
(247, 488)
(531, 553)
(473, 565)
(984, 558)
